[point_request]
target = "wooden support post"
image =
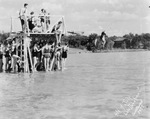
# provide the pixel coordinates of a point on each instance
(30, 57)
(52, 63)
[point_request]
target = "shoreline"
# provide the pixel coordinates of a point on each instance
(79, 51)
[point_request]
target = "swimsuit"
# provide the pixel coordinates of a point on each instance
(34, 53)
(1, 56)
(46, 53)
(31, 25)
(64, 53)
(13, 52)
(7, 54)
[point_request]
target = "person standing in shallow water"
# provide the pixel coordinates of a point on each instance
(58, 57)
(1, 58)
(35, 56)
(64, 55)
(46, 55)
(7, 57)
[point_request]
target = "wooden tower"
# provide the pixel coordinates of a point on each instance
(24, 39)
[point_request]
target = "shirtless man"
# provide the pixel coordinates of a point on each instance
(22, 16)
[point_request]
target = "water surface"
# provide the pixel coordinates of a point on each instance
(92, 86)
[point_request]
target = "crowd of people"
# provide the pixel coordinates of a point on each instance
(45, 57)
(35, 24)
(48, 57)
(39, 24)
(9, 58)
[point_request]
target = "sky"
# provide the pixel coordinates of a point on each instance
(115, 17)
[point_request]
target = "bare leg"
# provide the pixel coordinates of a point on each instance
(47, 27)
(25, 28)
(45, 63)
(12, 63)
(57, 38)
(6, 63)
(34, 61)
(58, 64)
(64, 62)
(43, 26)
(49, 64)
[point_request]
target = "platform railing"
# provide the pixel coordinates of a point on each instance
(41, 27)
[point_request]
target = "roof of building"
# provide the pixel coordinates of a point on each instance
(120, 39)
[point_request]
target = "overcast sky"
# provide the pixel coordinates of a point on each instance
(115, 17)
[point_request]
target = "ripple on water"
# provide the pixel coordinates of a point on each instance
(90, 88)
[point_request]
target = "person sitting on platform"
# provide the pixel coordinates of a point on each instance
(37, 28)
(22, 16)
(56, 30)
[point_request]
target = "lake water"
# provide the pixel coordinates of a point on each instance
(92, 86)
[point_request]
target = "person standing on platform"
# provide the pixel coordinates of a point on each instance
(42, 17)
(48, 22)
(22, 16)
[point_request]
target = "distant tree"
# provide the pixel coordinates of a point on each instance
(112, 38)
(92, 37)
(109, 43)
(145, 40)
(129, 36)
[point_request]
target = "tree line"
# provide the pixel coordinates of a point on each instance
(130, 41)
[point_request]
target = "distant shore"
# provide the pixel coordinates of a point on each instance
(79, 51)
